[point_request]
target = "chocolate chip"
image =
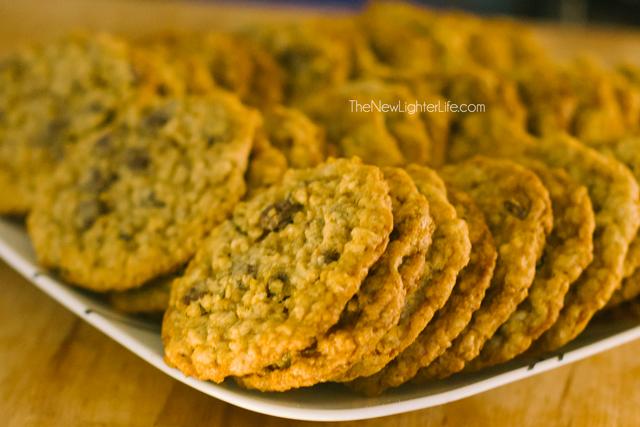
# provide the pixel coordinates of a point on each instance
(211, 139)
(330, 256)
(87, 212)
(125, 236)
(241, 268)
(196, 292)
(156, 119)
(162, 90)
(155, 202)
(278, 215)
(515, 209)
(109, 117)
(137, 158)
(96, 181)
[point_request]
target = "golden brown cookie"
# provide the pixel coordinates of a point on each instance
(59, 92)
(295, 135)
(376, 121)
(373, 310)
(614, 197)
(279, 273)
(231, 62)
(627, 151)
(133, 202)
(267, 166)
(451, 319)
(311, 54)
(518, 212)
(447, 255)
(567, 252)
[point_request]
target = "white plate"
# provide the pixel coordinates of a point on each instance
(325, 402)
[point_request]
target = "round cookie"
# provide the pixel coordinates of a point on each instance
(447, 255)
(59, 92)
(373, 310)
(293, 133)
(454, 316)
(133, 202)
(311, 54)
(518, 212)
(567, 252)
(279, 273)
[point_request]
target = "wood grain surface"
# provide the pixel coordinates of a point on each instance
(56, 370)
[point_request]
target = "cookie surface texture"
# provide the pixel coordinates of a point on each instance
(374, 309)
(279, 273)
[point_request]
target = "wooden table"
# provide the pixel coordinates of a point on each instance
(56, 370)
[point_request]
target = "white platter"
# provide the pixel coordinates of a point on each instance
(325, 402)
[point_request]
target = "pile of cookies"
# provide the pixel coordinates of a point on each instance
(226, 181)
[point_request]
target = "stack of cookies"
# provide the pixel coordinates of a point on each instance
(227, 181)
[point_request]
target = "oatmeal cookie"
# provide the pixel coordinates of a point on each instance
(374, 309)
(279, 273)
(567, 252)
(228, 61)
(133, 201)
(267, 166)
(627, 151)
(372, 120)
(449, 321)
(615, 200)
(518, 212)
(312, 57)
(59, 92)
(614, 196)
(447, 255)
(295, 135)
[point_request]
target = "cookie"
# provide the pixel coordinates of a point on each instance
(386, 27)
(152, 297)
(279, 273)
(312, 57)
(614, 197)
(378, 122)
(133, 202)
(214, 59)
(627, 151)
(58, 93)
(447, 255)
(296, 136)
(451, 319)
(267, 166)
(567, 252)
(518, 212)
(374, 309)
